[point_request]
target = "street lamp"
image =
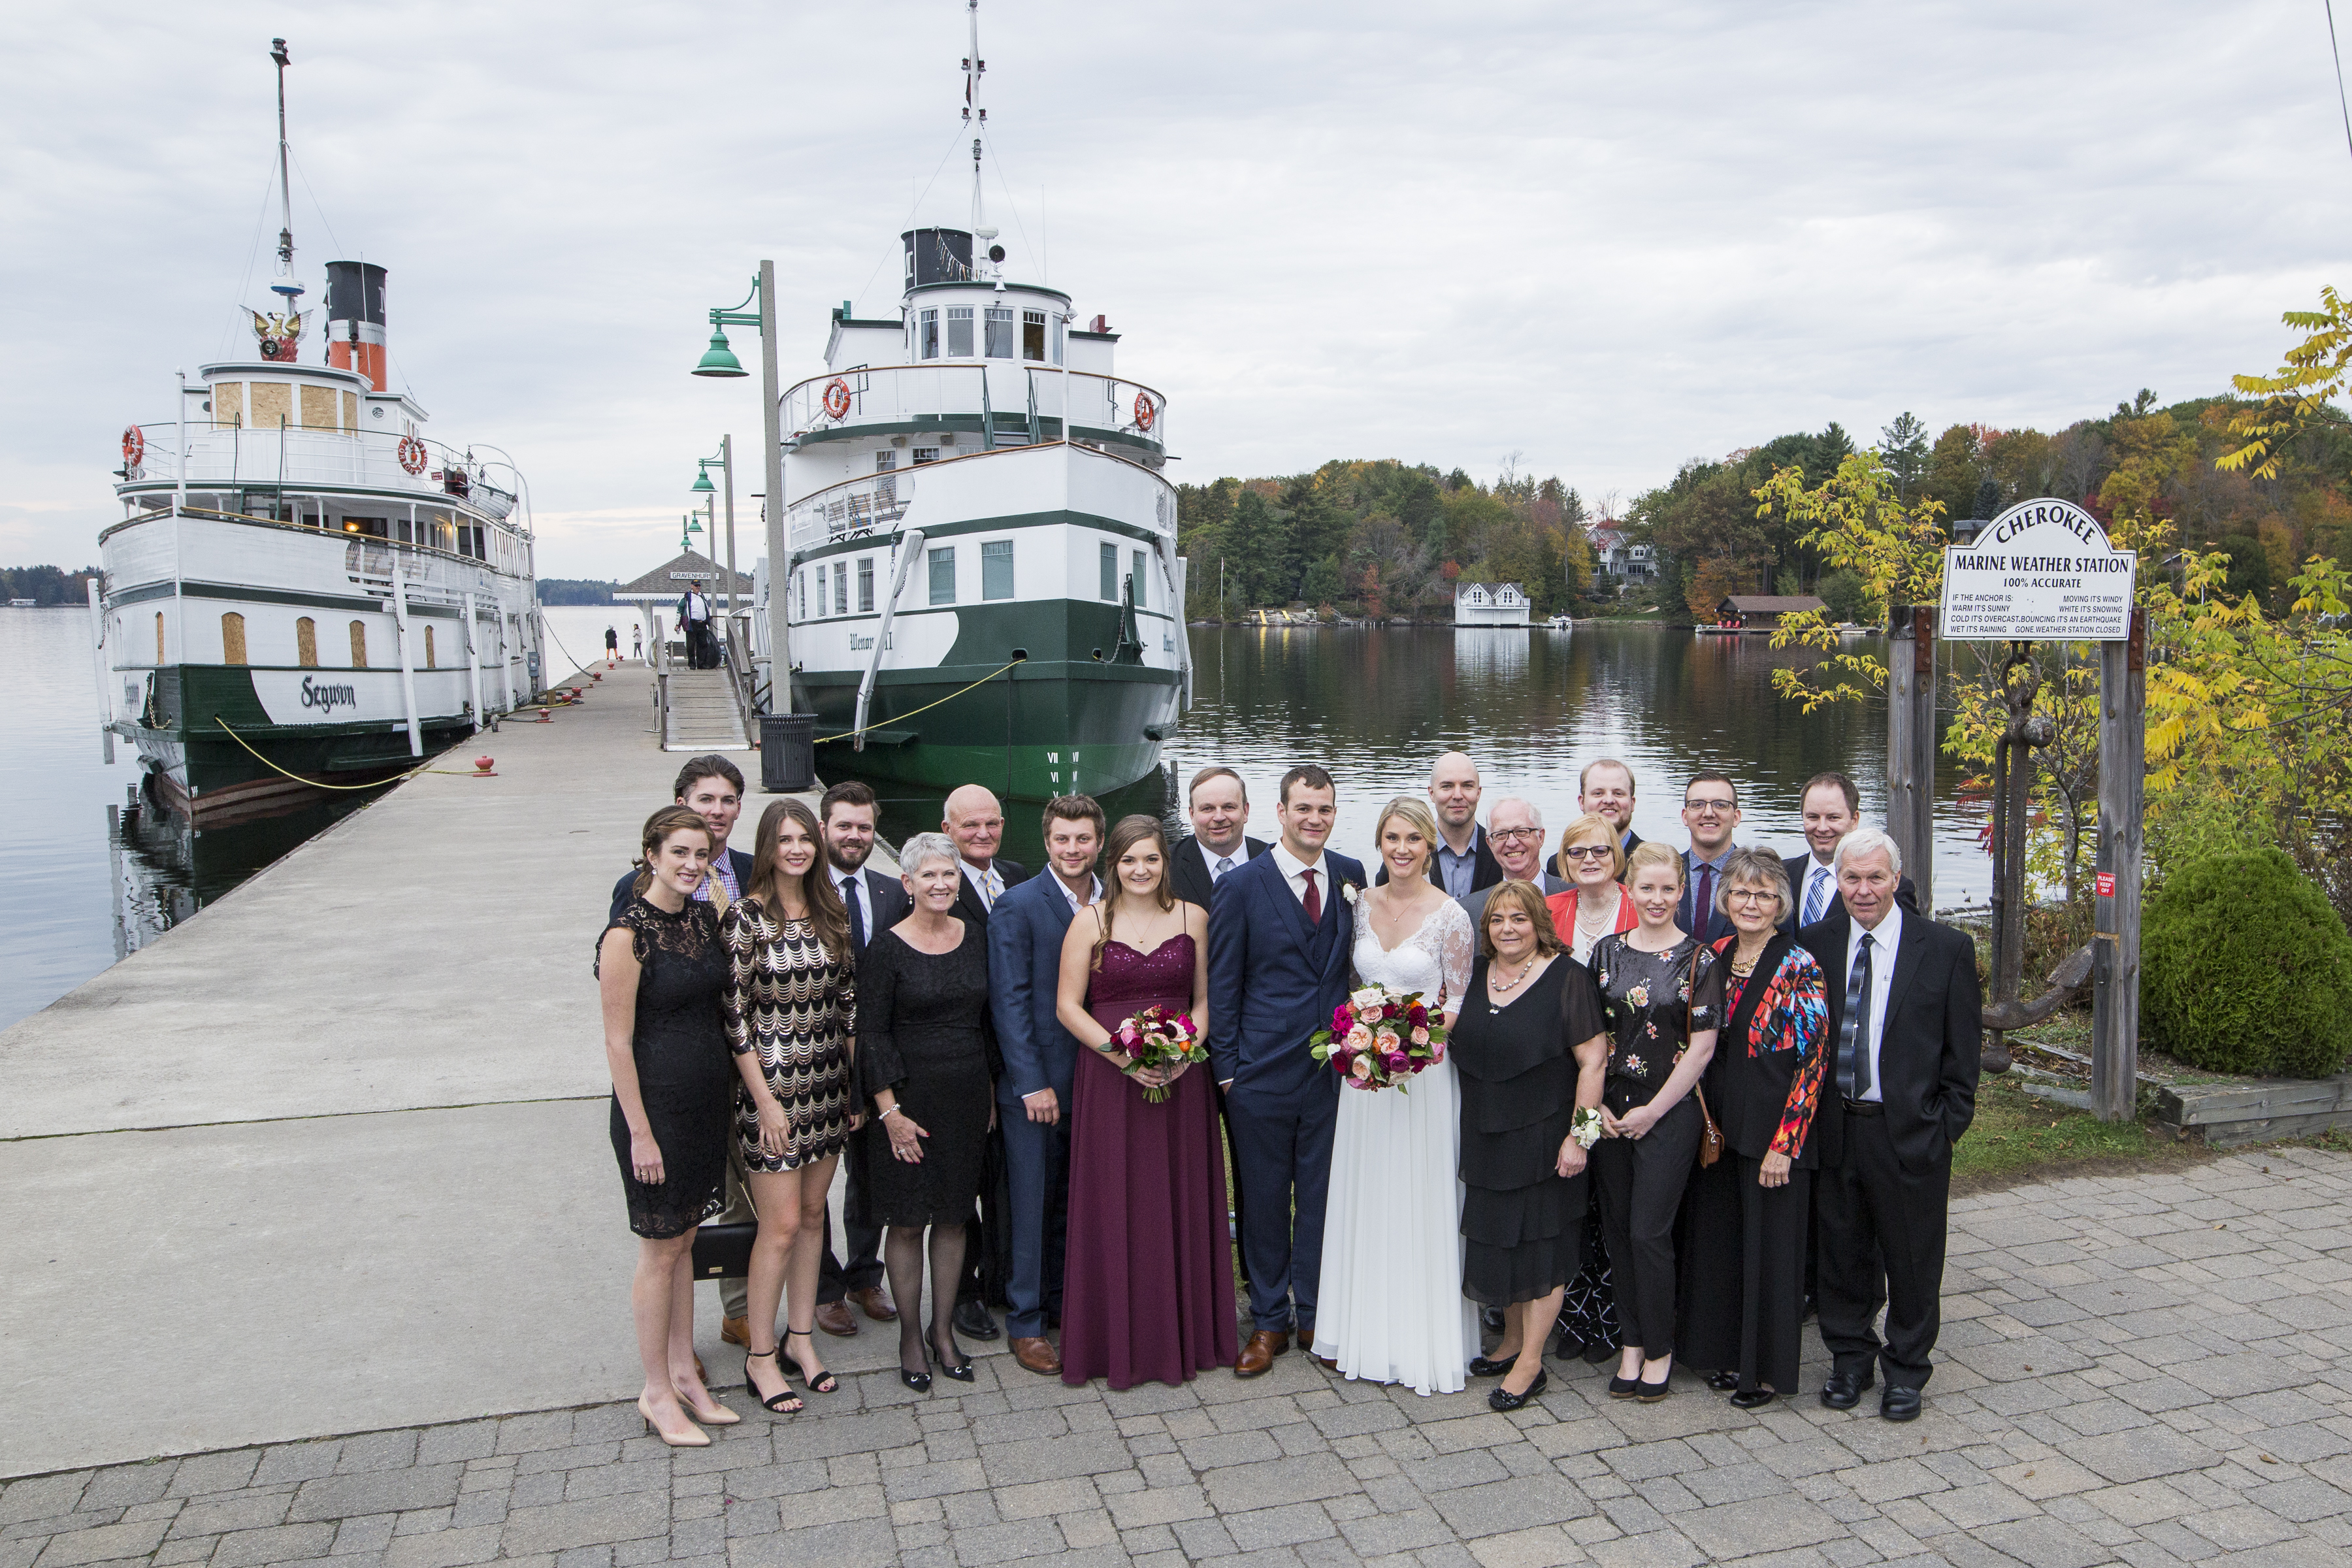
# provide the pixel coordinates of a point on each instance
(702, 487)
(718, 360)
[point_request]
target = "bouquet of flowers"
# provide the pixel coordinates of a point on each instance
(1378, 1038)
(1157, 1038)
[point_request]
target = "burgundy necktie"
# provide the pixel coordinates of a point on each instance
(1703, 906)
(1314, 899)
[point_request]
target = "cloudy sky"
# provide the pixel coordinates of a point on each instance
(1607, 238)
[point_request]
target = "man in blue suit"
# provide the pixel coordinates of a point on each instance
(1711, 811)
(1024, 968)
(1281, 931)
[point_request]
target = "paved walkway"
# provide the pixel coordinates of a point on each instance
(2143, 1370)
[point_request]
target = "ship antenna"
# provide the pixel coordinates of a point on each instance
(974, 68)
(286, 284)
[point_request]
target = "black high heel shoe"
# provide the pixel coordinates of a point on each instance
(784, 1404)
(953, 1362)
(920, 1382)
(820, 1381)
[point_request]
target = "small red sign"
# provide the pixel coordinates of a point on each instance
(2107, 884)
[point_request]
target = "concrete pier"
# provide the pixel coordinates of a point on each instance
(332, 1155)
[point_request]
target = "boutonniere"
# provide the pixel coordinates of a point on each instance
(1349, 891)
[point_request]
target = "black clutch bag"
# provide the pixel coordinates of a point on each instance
(724, 1251)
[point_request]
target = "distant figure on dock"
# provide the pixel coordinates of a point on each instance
(636, 640)
(612, 643)
(694, 615)
(659, 969)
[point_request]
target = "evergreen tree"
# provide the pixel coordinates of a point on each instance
(1903, 445)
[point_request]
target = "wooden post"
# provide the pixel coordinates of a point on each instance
(2123, 768)
(1911, 741)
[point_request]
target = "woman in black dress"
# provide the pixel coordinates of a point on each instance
(927, 1062)
(1763, 1084)
(1662, 992)
(659, 969)
(1528, 1048)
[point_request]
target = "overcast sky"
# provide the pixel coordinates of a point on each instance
(1607, 239)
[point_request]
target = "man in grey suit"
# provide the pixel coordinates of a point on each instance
(1515, 827)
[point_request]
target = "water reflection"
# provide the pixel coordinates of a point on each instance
(163, 870)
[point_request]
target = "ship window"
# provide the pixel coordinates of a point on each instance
(232, 638)
(927, 335)
(841, 587)
(1032, 335)
(430, 663)
(802, 578)
(943, 575)
(885, 461)
(866, 584)
(306, 643)
(819, 591)
(996, 569)
(959, 332)
(1059, 326)
(1142, 583)
(926, 455)
(359, 643)
(1110, 572)
(1000, 332)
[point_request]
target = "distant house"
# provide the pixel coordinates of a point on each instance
(1761, 610)
(1619, 557)
(1489, 605)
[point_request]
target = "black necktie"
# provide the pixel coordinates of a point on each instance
(856, 915)
(1853, 1031)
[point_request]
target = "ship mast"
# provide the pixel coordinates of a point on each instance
(974, 68)
(285, 284)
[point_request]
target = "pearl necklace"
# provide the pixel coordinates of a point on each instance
(1493, 991)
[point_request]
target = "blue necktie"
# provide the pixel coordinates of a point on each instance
(1854, 1030)
(1817, 889)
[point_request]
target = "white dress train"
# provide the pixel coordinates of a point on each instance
(1389, 1306)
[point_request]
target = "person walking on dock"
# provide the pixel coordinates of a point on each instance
(659, 971)
(612, 642)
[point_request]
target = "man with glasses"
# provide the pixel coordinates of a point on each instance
(1515, 828)
(1832, 808)
(1606, 789)
(1710, 813)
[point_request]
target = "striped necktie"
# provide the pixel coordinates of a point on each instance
(992, 882)
(1854, 1029)
(1817, 894)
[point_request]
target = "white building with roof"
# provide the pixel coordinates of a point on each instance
(1489, 605)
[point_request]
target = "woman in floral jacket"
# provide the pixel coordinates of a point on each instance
(1662, 993)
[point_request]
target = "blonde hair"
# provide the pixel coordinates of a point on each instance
(1417, 816)
(1590, 822)
(1654, 853)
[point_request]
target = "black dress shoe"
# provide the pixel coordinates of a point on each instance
(1899, 1403)
(974, 1319)
(1752, 1399)
(1723, 1382)
(1505, 1400)
(1845, 1390)
(1491, 1318)
(1486, 1366)
(1597, 1352)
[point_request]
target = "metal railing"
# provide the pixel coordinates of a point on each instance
(1091, 406)
(291, 455)
(850, 510)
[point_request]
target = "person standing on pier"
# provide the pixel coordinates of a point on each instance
(873, 902)
(659, 972)
(975, 822)
(790, 1003)
(1281, 930)
(1462, 863)
(1606, 786)
(612, 642)
(1711, 813)
(1032, 1098)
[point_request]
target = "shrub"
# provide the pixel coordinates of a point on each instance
(2246, 968)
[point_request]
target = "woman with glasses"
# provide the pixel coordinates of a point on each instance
(1596, 904)
(1747, 1212)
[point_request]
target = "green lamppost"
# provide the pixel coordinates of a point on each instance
(718, 360)
(701, 488)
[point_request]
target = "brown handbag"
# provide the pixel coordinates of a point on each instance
(1710, 1138)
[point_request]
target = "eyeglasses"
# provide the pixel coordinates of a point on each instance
(1588, 852)
(1513, 835)
(1749, 895)
(1710, 807)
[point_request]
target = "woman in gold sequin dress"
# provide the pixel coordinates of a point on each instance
(790, 1004)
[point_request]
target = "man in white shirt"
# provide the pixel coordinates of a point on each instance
(1605, 788)
(1832, 808)
(1218, 806)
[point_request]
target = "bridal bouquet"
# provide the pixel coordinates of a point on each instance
(1158, 1037)
(1378, 1038)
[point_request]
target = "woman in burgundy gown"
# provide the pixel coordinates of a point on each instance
(1148, 1284)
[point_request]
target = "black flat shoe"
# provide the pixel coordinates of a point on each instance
(1505, 1400)
(820, 1381)
(1721, 1382)
(1899, 1403)
(784, 1404)
(1752, 1399)
(1845, 1390)
(1485, 1366)
(953, 1362)
(1624, 1387)
(974, 1321)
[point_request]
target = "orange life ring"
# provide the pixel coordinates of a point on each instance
(1144, 412)
(411, 454)
(134, 445)
(836, 398)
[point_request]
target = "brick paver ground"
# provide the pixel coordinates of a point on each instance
(2143, 1370)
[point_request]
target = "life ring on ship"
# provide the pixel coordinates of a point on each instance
(836, 398)
(411, 454)
(134, 445)
(1144, 412)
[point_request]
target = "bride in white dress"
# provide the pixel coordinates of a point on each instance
(1390, 1307)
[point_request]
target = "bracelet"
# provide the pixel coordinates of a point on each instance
(888, 1114)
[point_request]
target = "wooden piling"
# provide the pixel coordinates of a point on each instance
(1911, 741)
(2123, 768)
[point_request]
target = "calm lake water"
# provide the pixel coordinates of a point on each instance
(94, 876)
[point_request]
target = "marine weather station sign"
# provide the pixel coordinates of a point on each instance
(2041, 569)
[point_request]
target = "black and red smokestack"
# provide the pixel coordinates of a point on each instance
(355, 319)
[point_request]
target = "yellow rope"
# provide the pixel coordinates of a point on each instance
(314, 783)
(927, 706)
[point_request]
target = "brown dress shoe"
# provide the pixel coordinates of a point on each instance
(1037, 1355)
(1306, 1339)
(735, 1331)
(1257, 1356)
(874, 1302)
(834, 1319)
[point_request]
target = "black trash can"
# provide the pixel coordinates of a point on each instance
(787, 752)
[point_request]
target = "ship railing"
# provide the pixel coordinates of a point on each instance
(292, 456)
(853, 509)
(1003, 402)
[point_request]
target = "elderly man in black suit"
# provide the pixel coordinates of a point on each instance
(1905, 1020)
(1462, 863)
(1831, 807)
(1218, 805)
(974, 820)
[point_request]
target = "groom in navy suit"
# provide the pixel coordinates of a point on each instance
(1281, 933)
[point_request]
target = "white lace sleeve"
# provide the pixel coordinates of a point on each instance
(1458, 950)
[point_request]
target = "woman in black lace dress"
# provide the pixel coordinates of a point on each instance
(659, 970)
(926, 1063)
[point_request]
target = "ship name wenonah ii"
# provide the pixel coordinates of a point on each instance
(975, 495)
(304, 587)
